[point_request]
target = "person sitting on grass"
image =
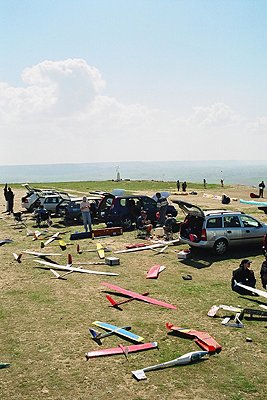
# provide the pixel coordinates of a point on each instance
(170, 226)
(41, 215)
(243, 275)
(143, 224)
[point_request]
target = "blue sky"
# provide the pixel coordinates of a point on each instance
(168, 74)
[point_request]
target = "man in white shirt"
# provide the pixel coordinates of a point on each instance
(85, 209)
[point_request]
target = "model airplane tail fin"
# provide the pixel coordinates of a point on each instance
(69, 259)
(78, 249)
(94, 333)
(17, 257)
(139, 374)
(111, 300)
(169, 325)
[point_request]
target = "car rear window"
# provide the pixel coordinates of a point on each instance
(215, 222)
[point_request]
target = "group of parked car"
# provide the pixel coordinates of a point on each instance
(211, 229)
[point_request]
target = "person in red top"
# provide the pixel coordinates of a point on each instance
(85, 209)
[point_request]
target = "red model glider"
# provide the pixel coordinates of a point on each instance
(203, 339)
(138, 296)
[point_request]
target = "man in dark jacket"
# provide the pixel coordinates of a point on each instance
(10, 200)
(162, 206)
(245, 276)
(263, 273)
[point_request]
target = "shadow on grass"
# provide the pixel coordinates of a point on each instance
(202, 258)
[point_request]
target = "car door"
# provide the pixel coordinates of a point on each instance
(252, 230)
(232, 229)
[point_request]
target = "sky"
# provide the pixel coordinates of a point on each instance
(129, 80)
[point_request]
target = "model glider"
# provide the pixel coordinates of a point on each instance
(100, 251)
(139, 296)
(80, 251)
(182, 360)
(52, 238)
(38, 254)
(121, 350)
(203, 339)
(254, 203)
(252, 290)
(154, 271)
(112, 329)
(140, 248)
(69, 267)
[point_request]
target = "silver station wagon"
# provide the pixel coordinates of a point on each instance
(219, 229)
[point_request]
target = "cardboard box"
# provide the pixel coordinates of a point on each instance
(112, 261)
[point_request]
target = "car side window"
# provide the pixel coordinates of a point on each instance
(122, 202)
(249, 222)
(231, 221)
(215, 222)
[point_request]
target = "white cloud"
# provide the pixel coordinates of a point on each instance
(62, 114)
(218, 114)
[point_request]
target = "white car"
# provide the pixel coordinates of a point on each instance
(31, 200)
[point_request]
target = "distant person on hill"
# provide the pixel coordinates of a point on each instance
(178, 186)
(261, 189)
(243, 275)
(221, 182)
(85, 209)
(205, 183)
(10, 200)
(184, 186)
(162, 205)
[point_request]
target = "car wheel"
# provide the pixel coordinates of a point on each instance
(220, 246)
(126, 223)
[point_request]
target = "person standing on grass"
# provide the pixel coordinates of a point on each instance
(10, 200)
(162, 205)
(85, 209)
(263, 273)
(6, 197)
(243, 275)
(184, 186)
(261, 189)
(205, 183)
(178, 185)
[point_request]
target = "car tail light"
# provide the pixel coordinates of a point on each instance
(204, 234)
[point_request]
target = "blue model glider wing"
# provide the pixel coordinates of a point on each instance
(119, 331)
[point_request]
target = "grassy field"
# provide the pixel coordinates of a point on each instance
(44, 322)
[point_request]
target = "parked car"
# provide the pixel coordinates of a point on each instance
(219, 229)
(70, 209)
(52, 201)
(124, 210)
(31, 200)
